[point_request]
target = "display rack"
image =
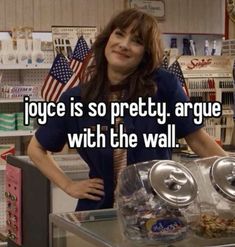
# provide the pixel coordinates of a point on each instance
(22, 75)
(18, 74)
(24, 66)
(209, 78)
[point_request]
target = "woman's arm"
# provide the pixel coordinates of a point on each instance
(90, 188)
(203, 145)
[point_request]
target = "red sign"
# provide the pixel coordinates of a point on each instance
(199, 63)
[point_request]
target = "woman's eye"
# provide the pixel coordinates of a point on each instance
(118, 33)
(137, 40)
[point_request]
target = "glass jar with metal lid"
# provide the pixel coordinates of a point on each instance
(152, 197)
(218, 206)
(222, 175)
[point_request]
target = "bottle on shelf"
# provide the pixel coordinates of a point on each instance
(192, 47)
(37, 54)
(30, 50)
(206, 48)
(8, 53)
(22, 56)
(173, 43)
(213, 51)
(186, 47)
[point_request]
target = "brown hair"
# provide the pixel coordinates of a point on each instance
(140, 83)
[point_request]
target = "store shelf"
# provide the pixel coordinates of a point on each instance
(20, 100)
(198, 90)
(17, 133)
(210, 83)
(25, 66)
(225, 90)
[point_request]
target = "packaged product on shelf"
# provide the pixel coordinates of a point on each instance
(16, 89)
(28, 32)
(19, 91)
(8, 53)
(6, 149)
(38, 55)
(29, 50)
(7, 121)
(22, 54)
(20, 122)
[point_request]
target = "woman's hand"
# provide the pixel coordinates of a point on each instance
(92, 189)
(203, 145)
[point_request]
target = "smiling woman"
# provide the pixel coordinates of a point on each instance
(132, 39)
(124, 52)
(127, 72)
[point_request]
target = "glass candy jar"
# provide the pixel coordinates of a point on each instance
(216, 198)
(152, 198)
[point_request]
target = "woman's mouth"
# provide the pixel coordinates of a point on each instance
(121, 54)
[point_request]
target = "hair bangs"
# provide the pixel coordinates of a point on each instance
(141, 24)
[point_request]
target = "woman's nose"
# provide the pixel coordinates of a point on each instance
(124, 43)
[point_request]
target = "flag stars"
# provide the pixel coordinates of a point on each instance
(65, 74)
(81, 50)
(175, 69)
(61, 69)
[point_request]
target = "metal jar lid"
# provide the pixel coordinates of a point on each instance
(173, 183)
(222, 174)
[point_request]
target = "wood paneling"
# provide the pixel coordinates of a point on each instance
(175, 20)
(36, 15)
(20, 12)
(80, 13)
(10, 14)
(2, 15)
(58, 12)
(28, 8)
(66, 12)
(47, 14)
(194, 16)
(181, 16)
(209, 17)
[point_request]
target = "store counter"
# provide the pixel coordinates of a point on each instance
(100, 228)
(37, 197)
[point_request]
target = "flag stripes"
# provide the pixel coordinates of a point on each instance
(63, 74)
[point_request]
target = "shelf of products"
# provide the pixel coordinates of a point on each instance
(209, 79)
(25, 66)
(18, 80)
(17, 77)
(17, 133)
(20, 100)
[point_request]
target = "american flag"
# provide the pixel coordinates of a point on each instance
(60, 78)
(87, 67)
(79, 55)
(165, 64)
(176, 70)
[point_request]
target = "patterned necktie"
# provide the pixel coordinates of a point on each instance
(119, 154)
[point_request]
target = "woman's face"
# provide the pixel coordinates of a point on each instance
(124, 51)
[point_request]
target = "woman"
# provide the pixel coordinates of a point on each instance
(128, 56)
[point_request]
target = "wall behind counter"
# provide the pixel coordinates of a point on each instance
(181, 16)
(42, 14)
